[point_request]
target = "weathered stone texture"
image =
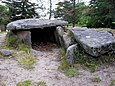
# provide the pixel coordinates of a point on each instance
(60, 33)
(4, 52)
(34, 23)
(71, 54)
(94, 42)
(67, 41)
(24, 36)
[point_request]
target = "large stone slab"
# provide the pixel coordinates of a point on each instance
(94, 42)
(34, 23)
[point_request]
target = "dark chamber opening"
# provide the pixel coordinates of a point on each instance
(43, 38)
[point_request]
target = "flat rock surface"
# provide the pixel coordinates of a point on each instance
(34, 23)
(46, 69)
(95, 42)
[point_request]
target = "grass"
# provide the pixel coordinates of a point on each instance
(41, 83)
(67, 69)
(24, 83)
(112, 83)
(26, 60)
(92, 63)
(2, 83)
(96, 79)
(24, 47)
(30, 83)
(14, 43)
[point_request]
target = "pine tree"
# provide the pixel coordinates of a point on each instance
(21, 9)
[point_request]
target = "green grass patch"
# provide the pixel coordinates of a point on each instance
(24, 83)
(13, 43)
(67, 69)
(96, 79)
(24, 47)
(93, 63)
(30, 83)
(26, 60)
(112, 83)
(41, 83)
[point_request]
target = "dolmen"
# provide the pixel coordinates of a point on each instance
(22, 29)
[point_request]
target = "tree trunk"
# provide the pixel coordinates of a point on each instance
(74, 13)
(50, 9)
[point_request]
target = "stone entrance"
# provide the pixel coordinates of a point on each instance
(43, 38)
(46, 34)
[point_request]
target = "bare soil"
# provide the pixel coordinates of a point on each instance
(46, 69)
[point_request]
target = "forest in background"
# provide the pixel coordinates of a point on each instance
(99, 13)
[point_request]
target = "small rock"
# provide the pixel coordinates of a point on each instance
(35, 52)
(6, 52)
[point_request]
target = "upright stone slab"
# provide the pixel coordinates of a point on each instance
(94, 42)
(60, 33)
(24, 36)
(67, 41)
(71, 54)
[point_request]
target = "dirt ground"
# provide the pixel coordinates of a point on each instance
(46, 69)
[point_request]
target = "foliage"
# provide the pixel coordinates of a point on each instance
(96, 79)
(26, 60)
(24, 83)
(67, 69)
(41, 83)
(102, 13)
(4, 14)
(4, 21)
(21, 9)
(72, 13)
(64, 11)
(112, 83)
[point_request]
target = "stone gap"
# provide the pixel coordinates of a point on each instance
(46, 34)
